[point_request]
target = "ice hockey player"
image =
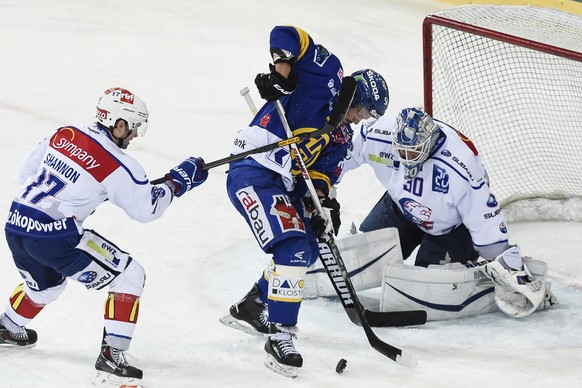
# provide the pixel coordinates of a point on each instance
(306, 78)
(64, 179)
(439, 200)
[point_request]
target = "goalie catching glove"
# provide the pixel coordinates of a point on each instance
(518, 293)
(187, 175)
(331, 208)
(273, 85)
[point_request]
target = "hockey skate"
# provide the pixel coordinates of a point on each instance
(282, 357)
(248, 315)
(113, 369)
(26, 338)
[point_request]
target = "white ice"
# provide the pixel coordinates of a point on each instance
(188, 60)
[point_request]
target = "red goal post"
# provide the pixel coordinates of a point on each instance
(510, 78)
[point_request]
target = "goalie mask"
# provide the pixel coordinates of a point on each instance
(119, 103)
(414, 138)
(371, 92)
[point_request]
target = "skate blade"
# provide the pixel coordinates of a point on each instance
(5, 345)
(285, 370)
(232, 322)
(104, 379)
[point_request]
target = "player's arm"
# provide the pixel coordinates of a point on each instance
(287, 46)
(129, 188)
(29, 165)
(480, 211)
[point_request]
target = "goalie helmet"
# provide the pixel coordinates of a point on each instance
(414, 138)
(119, 103)
(371, 92)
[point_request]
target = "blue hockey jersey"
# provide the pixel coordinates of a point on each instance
(307, 109)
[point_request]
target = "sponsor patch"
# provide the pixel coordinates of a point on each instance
(321, 55)
(440, 180)
(492, 201)
(87, 277)
(386, 158)
(257, 217)
(284, 289)
(265, 120)
(94, 277)
(29, 280)
(492, 214)
(84, 151)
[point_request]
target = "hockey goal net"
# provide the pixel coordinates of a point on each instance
(510, 78)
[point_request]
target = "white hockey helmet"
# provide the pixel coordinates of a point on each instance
(118, 103)
(414, 138)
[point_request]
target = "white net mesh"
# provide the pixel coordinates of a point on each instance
(521, 106)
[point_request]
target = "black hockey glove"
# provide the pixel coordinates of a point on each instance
(273, 85)
(331, 208)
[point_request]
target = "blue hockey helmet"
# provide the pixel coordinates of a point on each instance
(371, 92)
(414, 138)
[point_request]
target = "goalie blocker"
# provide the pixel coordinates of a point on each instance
(449, 291)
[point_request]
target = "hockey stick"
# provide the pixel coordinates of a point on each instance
(245, 93)
(342, 105)
(327, 245)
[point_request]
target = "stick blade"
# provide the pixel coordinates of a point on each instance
(406, 359)
(344, 101)
(396, 318)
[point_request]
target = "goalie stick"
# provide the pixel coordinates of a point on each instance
(336, 266)
(340, 109)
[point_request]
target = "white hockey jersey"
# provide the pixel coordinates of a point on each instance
(451, 188)
(72, 172)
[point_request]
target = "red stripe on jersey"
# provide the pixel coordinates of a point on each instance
(84, 151)
(469, 143)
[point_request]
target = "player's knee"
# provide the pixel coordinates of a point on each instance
(46, 296)
(296, 252)
(130, 281)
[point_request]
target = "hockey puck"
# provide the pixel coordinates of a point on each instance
(341, 365)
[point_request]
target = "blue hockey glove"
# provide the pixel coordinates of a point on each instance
(186, 175)
(273, 86)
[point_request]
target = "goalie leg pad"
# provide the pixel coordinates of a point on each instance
(444, 291)
(365, 255)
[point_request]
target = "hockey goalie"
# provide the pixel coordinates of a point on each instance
(440, 214)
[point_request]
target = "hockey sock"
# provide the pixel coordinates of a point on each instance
(21, 309)
(121, 312)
